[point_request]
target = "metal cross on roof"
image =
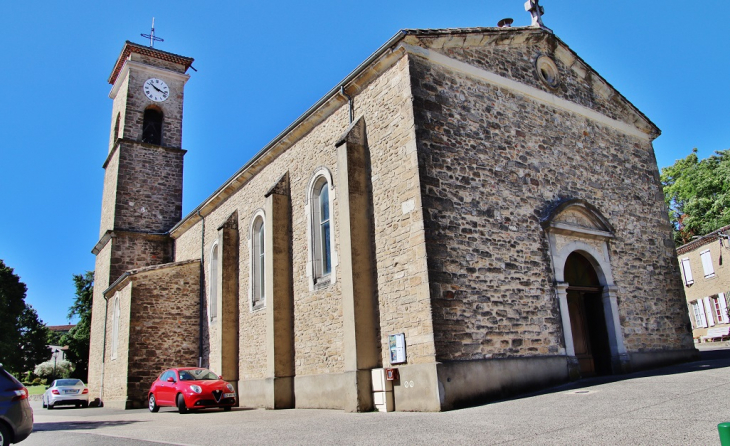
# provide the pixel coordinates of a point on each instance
(536, 11)
(151, 35)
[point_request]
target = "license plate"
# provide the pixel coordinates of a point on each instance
(69, 391)
(229, 395)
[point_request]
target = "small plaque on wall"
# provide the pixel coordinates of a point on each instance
(397, 343)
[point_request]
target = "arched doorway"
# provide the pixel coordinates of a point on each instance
(587, 316)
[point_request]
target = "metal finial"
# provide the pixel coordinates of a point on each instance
(151, 35)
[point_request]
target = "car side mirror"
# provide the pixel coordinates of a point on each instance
(170, 379)
(48, 387)
(220, 376)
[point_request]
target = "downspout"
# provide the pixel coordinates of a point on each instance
(349, 102)
(103, 352)
(202, 290)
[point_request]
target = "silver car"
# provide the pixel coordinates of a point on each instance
(66, 392)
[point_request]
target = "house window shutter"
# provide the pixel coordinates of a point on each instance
(708, 312)
(687, 272)
(723, 307)
(703, 319)
(707, 263)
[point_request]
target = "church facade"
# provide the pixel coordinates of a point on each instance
(471, 214)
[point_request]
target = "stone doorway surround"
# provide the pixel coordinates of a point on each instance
(577, 226)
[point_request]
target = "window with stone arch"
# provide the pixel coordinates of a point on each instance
(213, 283)
(257, 288)
(322, 256)
(116, 313)
(152, 126)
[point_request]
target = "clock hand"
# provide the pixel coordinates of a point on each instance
(153, 86)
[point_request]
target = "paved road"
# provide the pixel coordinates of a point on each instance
(679, 405)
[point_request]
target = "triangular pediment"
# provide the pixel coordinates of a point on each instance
(577, 217)
(512, 53)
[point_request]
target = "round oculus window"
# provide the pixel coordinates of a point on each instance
(547, 71)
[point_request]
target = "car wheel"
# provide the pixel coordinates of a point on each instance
(153, 403)
(181, 407)
(4, 435)
(227, 409)
(50, 406)
(44, 403)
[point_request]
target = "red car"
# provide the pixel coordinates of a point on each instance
(189, 388)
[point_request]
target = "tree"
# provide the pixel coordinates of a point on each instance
(12, 305)
(53, 369)
(697, 194)
(33, 336)
(78, 339)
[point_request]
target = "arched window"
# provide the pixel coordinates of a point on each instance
(116, 313)
(321, 228)
(258, 271)
(213, 281)
(152, 126)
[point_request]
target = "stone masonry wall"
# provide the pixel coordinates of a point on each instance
(116, 362)
(164, 325)
(133, 251)
(149, 188)
(492, 161)
(399, 237)
(101, 283)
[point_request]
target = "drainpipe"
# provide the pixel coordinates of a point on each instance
(202, 290)
(103, 352)
(349, 102)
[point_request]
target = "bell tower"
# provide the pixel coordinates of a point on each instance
(143, 179)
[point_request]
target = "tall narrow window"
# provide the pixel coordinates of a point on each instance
(116, 313)
(258, 261)
(213, 280)
(152, 126)
(321, 228)
(707, 263)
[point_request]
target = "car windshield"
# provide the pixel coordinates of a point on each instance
(197, 374)
(68, 382)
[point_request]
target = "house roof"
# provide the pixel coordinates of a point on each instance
(61, 328)
(702, 241)
(130, 47)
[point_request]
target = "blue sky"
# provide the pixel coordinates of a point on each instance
(260, 66)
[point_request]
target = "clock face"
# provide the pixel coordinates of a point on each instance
(156, 89)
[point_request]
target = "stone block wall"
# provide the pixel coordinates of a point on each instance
(402, 281)
(491, 162)
(116, 363)
(163, 324)
(149, 187)
(132, 250)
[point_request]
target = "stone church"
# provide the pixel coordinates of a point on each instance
(470, 214)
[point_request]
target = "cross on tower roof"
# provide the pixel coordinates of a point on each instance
(151, 35)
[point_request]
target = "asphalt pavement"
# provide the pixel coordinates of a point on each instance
(678, 405)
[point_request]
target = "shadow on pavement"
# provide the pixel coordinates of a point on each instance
(710, 359)
(77, 425)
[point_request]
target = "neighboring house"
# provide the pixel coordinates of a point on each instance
(475, 207)
(58, 352)
(706, 275)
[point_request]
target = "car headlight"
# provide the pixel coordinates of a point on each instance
(195, 388)
(230, 388)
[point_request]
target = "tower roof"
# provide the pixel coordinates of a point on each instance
(130, 47)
